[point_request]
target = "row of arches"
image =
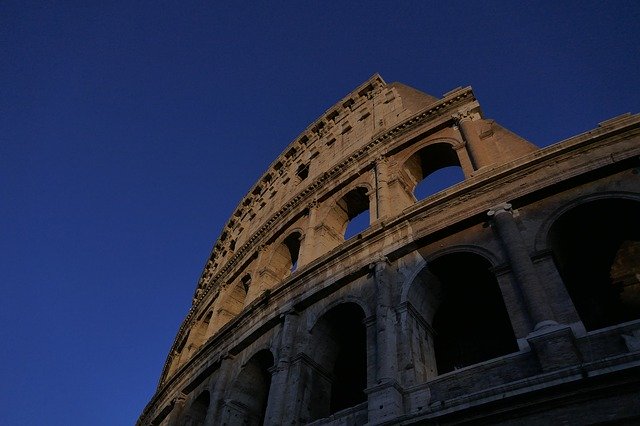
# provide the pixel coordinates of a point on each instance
(336, 370)
(429, 169)
(336, 367)
(461, 317)
(600, 273)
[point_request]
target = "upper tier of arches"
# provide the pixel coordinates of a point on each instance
(303, 207)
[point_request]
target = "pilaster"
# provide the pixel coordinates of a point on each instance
(308, 249)
(175, 416)
(385, 397)
(279, 391)
(218, 392)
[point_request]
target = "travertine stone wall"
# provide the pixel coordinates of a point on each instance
(263, 340)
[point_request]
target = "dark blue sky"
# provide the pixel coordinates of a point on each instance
(130, 130)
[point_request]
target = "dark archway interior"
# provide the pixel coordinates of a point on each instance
(340, 349)
(596, 247)
(199, 408)
(250, 391)
(350, 368)
(471, 323)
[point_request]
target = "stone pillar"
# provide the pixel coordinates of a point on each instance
(307, 251)
(521, 265)
(279, 391)
(386, 362)
(175, 416)
(372, 351)
(383, 195)
(220, 386)
(385, 397)
(561, 304)
(215, 322)
(473, 142)
(464, 159)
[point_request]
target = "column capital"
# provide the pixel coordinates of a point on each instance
(464, 115)
(379, 262)
(459, 146)
(381, 159)
(179, 400)
(500, 208)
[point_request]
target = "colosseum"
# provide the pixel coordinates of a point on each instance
(510, 296)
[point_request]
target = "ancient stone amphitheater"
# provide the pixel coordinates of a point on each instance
(511, 296)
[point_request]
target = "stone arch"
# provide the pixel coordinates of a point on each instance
(229, 303)
(337, 361)
(198, 334)
(433, 167)
(487, 254)
(459, 311)
(541, 238)
(315, 316)
(197, 411)
(247, 397)
(349, 204)
(284, 258)
(596, 248)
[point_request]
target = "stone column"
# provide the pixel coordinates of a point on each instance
(385, 397)
(521, 265)
(473, 142)
(219, 389)
(307, 251)
(279, 391)
(465, 161)
(386, 362)
(383, 195)
(175, 416)
(559, 299)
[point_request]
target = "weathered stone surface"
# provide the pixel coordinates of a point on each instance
(509, 296)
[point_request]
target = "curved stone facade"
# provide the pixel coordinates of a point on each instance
(511, 295)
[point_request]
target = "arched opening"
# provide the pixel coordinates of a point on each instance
(471, 323)
(285, 258)
(198, 334)
(433, 168)
(246, 282)
(350, 215)
(198, 410)
(596, 247)
(235, 300)
(231, 304)
(339, 349)
(247, 399)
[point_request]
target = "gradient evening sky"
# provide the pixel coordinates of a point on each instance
(130, 130)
